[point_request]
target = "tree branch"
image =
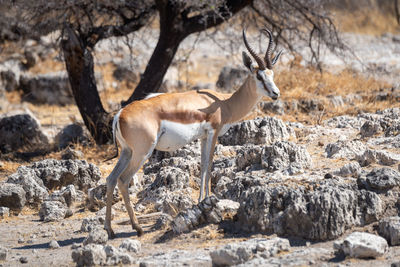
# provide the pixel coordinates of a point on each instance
(133, 24)
(213, 18)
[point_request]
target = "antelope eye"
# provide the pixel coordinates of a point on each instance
(258, 76)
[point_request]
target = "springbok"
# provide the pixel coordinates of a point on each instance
(169, 121)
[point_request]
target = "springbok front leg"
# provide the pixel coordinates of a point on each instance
(207, 152)
(211, 156)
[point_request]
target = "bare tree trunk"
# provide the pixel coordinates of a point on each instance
(79, 64)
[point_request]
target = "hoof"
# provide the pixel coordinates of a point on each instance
(139, 231)
(111, 234)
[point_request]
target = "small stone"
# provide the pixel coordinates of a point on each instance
(97, 236)
(52, 211)
(3, 253)
(131, 245)
(53, 244)
(88, 224)
(23, 260)
(117, 256)
(4, 212)
(328, 176)
(369, 128)
(75, 245)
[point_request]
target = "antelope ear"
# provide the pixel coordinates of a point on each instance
(247, 61)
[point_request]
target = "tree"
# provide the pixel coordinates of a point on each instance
(83, 23)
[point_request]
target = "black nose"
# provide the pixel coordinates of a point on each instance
(274, 96)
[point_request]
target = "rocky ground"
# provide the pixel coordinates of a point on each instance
(285, 193)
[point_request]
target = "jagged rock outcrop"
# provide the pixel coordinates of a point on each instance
(262, 131)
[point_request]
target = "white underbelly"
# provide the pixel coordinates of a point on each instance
(174, 135)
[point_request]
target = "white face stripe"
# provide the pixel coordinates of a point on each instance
(267, 86)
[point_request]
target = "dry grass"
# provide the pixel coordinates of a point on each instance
(305, 83)
(366, 21)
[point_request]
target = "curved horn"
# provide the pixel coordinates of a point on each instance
(260, 62)
(267, 57)
(275, 59)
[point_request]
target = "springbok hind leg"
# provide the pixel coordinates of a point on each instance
(123, 184)
(122, 164)
(140, 155)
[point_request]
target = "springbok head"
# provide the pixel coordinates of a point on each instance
(263, 74)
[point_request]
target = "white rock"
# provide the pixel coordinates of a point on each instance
(389, 228)
(53, 244)
(89, 255)
(131, 245)
(97, 235)
(363, 245)
(238, 253)
(117, 256)
(349, 169)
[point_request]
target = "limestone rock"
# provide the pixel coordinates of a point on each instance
(258, 131)
(89, 255)
(210, 210)
(369, 128)
(349, 169)
(131, 245)
(345, 149)
(345, 121)
(117, 256)
(237, 253)
(66, 195)
(363, 245)
(88, 224)
(57, 173)
(34, 187)
(97, 197)
(21, 131)
(52, 211)
(389, 228)
(49, 88)
(97, 235)
(323, 213)
(12, 196)
(285, 156)
(381, 157)
(383, 178)
(72, 134)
